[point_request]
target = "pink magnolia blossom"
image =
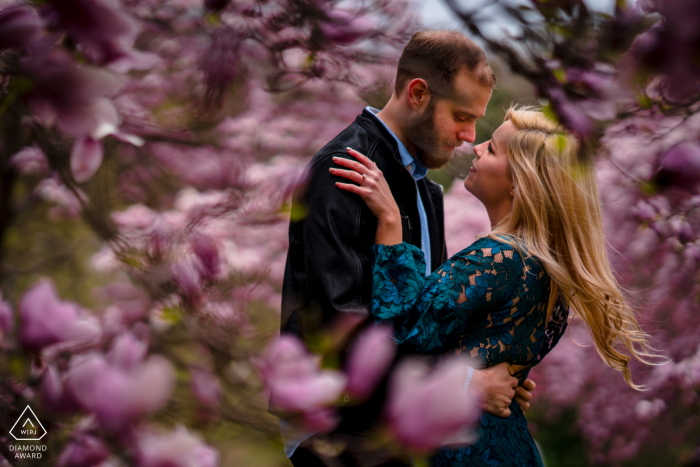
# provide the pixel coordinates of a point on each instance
(369, 360)
(205, 386)
(52, 392)
(7, 318)
(207, 255)
(127, 352)
(216, 5)
(46, 320)
(297, 384)
(343, 27)
(179, 448)
(680, 166)
(84, 450)
(72, 97)
(31, 160)
(429, 410)
(19, 26)
(86, 158)
(116, 395)
(220, 63)
(104, 30)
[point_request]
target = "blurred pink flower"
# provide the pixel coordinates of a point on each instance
(45, 320)
(31, 161)
(208, 259)
(127, 352)
(7, 318)
(344, 28)
(427, 410)
(69, 96)
(680, 167)
(117, 396)
(67, 203)
(176, 449)
(20, 25)
(369, 361)
(570, 114)
(321, 420)
(220, 63)
(52, 393)
(216, 5)
(187, 277)
(205, 386)
(297, 384)
(104, 31)
(85, 158)
(84, 450)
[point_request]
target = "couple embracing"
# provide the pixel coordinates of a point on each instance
(372, 241)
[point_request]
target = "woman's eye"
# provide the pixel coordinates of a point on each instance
(490, 149)
(459, 119)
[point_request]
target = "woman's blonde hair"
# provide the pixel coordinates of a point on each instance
(556, 216)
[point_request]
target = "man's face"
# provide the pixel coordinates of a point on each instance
(448, 121)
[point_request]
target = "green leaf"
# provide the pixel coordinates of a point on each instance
(172, 315)
(649, 187)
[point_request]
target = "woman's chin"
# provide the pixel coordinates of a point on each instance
(468, 185)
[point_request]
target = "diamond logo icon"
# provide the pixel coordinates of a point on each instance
(28, 427)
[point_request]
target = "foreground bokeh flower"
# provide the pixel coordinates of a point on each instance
(122, 388)
(46, 320)
(369, 360)
(427, 410)
(177, 449)
(297, 383)
(84, 450)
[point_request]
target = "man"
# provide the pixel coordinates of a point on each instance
(443, 85)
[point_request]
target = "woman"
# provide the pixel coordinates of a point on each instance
(494, 299)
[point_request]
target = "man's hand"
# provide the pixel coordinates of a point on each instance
(523, 393)
(494, 386)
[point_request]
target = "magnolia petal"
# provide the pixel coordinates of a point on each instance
(86, 158)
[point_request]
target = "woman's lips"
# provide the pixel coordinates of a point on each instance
(472, 169)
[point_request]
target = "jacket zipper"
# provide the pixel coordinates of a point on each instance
(408, 220)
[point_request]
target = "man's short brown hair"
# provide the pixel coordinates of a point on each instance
(437, 56)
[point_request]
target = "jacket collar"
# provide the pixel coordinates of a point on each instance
(370, 123)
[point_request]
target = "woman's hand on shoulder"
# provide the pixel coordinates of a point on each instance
(371, 186)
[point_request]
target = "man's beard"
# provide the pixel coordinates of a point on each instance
(429, 149)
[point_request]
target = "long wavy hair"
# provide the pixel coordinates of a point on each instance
(557, 217)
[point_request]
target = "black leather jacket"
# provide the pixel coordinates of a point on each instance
(329, 263)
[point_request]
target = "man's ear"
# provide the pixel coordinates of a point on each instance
(418, 93)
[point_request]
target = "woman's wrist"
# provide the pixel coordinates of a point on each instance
(389, 230)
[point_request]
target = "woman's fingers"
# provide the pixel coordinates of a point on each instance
(356, 166)
(349, 174)
(364, 160)
(351, 188)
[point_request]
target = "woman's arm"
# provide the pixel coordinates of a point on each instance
(375, 191)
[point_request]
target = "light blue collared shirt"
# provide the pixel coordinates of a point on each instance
(417, 171)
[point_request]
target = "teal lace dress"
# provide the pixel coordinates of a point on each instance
(485, 302)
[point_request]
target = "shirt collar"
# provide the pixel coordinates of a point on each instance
(413, 165)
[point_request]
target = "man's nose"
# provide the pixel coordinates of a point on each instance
(467, 134)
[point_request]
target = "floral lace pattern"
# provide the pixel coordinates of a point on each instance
(486, 301)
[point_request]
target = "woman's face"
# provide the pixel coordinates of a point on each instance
(488, 177)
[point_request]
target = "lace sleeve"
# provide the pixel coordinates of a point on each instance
(429, 313)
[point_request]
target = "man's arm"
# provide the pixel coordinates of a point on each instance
(338, 232)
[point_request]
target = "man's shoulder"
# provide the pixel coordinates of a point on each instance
(360, 135)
